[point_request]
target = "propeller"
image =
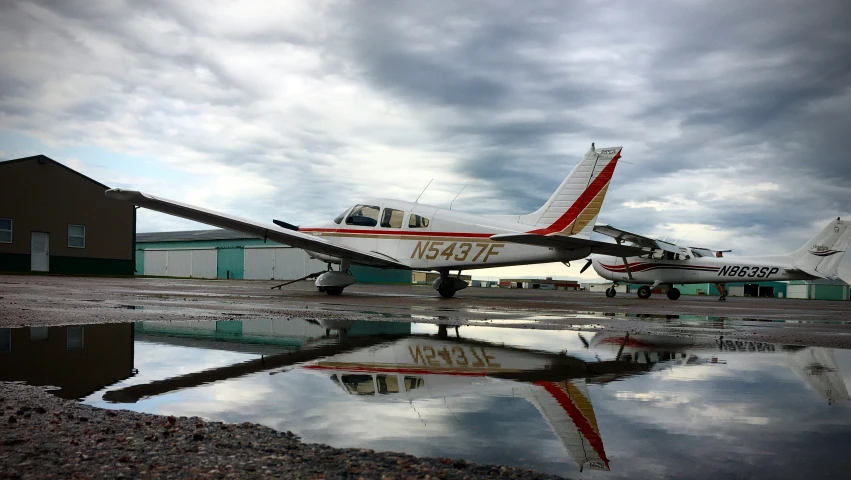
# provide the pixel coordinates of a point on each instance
(587, 264)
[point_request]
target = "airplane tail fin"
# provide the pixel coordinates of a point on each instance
(823, 252)
(573, 208)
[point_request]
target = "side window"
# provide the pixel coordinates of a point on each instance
(77, 236)
(387, 384)
(392, 218)
(412, 383)
(363, 216)
(5, 230)
(417, 221)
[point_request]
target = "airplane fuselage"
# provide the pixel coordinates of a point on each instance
(451, 239)
(695, 270)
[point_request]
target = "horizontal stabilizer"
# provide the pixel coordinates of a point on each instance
(564, 242)
(808, 271)
(266, 232)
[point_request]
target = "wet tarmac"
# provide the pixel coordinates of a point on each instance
(583, 403)
(27, 300)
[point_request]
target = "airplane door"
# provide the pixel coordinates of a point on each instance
(40, 252)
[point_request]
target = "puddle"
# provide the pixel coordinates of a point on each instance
(582, 404)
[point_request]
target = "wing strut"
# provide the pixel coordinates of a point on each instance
(625, 263)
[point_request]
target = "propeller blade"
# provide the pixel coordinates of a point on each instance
(587, 264)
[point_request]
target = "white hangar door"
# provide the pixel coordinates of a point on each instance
(798, 291)
(195, 263)
(279, 263)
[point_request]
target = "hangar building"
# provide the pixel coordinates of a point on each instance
(226, 254)
(54, 219)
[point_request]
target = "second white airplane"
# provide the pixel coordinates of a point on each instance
(669, 264)
(404, 235)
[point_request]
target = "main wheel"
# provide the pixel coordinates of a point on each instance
(611, 292)
(333, 290)
(446, 292)
(673, 293)
(644, 292)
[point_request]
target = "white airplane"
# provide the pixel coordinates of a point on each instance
(409, 235)
(669, 264)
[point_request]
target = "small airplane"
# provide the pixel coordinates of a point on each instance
(668, 264)
(409, 235)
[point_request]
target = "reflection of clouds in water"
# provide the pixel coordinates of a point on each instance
(740, 418)
(736, 418)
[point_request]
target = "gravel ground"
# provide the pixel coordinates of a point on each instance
(42, 436)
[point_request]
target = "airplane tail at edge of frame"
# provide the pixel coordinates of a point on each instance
(822, 253)
(573, 207)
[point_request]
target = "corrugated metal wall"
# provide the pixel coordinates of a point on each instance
(279, 263)
(195, 263)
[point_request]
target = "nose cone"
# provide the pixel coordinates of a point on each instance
(597, 262)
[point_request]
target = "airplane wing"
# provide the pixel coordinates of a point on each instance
(635, 239)
(564, 242)
(270, 232)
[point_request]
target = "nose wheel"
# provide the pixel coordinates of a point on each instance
(611, 292)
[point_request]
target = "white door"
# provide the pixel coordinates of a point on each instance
(40, 252)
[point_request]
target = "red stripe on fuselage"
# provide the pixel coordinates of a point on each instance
(641, 267)
(394, 231)
(584, 199)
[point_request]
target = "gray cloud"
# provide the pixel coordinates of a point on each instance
(500, 95)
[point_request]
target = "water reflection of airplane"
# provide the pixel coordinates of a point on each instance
(816, 365)
(387, 368)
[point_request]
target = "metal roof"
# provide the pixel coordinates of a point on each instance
(45, 159)
(191, 235)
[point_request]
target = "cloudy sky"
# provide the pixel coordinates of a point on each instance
(733, 115)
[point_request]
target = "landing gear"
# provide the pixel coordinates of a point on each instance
(644, 292)
(446, 286)
(722, 290)
(673, 293)
(333, 282)
(611, 292)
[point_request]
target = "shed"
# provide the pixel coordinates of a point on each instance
(57, 220)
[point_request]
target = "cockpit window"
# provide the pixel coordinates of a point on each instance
(358, 384)
(417, 221)
(340, 217)
(363, 216)
(392, 218)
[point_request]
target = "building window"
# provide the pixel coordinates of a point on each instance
(5, 230)
(38, 333)
(74, 337)
(77, 236)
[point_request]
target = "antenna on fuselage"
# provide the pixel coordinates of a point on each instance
(456, 196)
(421, 193)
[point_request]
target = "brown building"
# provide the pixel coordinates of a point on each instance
(79, 359)
(54, 219)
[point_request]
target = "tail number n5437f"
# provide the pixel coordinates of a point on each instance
(459, 251)
(750, 272)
